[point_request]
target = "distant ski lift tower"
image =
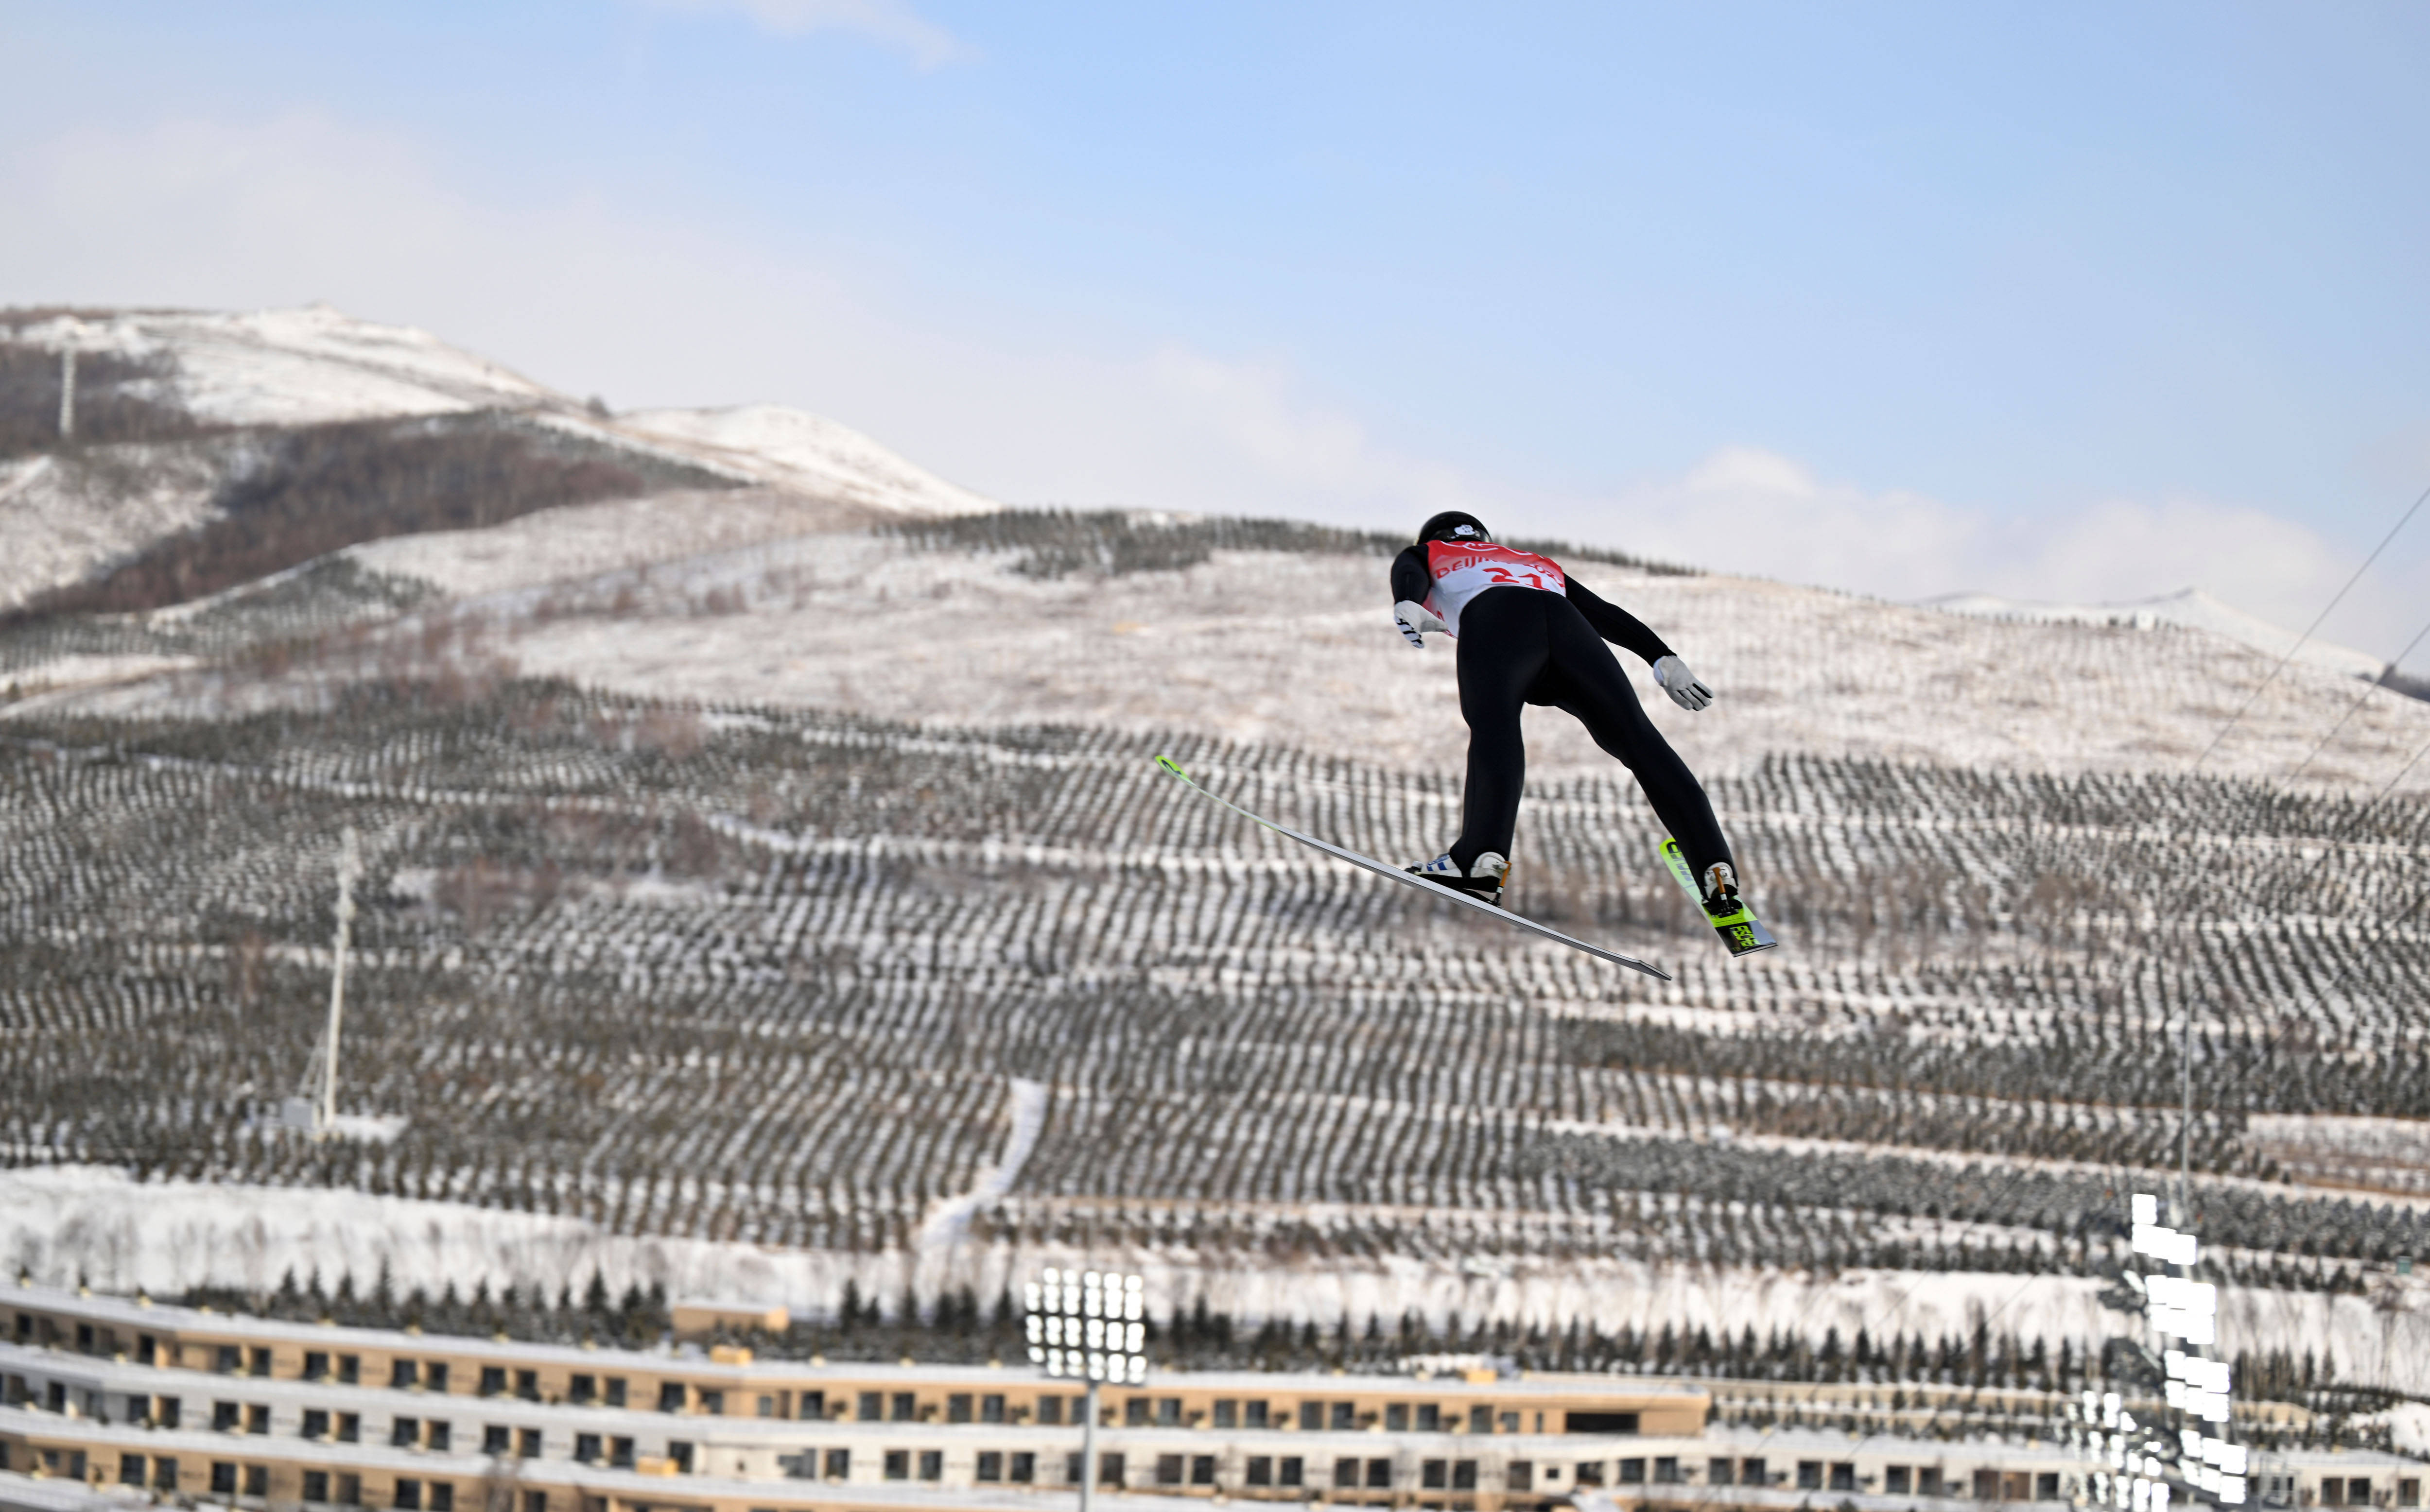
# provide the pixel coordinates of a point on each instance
(316, 1111)
(67, 380)
(1092, 1325)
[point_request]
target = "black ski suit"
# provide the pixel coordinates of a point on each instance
(1527, 645)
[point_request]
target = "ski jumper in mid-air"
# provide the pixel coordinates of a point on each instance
(1529, 632)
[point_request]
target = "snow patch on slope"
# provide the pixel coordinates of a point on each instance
(795, 449)
(302, 367)
(2191, 607)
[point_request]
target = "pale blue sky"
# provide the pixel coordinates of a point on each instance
(2061, 301)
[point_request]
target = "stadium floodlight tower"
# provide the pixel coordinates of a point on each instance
(315, 1111)
(2195, 1453)
(1092, 1325)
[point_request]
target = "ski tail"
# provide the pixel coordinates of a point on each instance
(1740, 929)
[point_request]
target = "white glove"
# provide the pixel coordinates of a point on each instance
(1415, 619)
(1681, 684)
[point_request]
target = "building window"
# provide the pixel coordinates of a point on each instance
(443, 1496)
(1396, 1417)
(1463, 1475)
(1510, 1423)
(615, 1384)
(581, 1389)
(1252, 1415)
(957, 1407)
(1379, 1474)
(256, 1417)
(1666, 1472)
(434, 1375)
(1024, 1469)
(440, 1437)
(838, 1464)
(535, 1502)
(712, 1403)
(1110, 1469)
(2409, 1492)
(814, 1406)
(169, 1410)
(404, 1432)
(1202, 1470)
(872, 1407)
(681, 1455)
(586, 1449)
(350, 1370)
(1168, 1412)
(1228, 1412)
(1345, 1416)
(316, 1422)
(527, 1443)
(1290, 1470)
(898, 1464)
(1928, 1481)
(1167, 1470)
(932, 1464)
(1895, 1480)
(1311, 1417)
(256, 1480)
(350, 1427)
(1261, 1469)
(1987, 1486)
(261, 1362)
(1844, 1476)
(165, 1472)
(316, 1364)
(131, 1469)
(227, 1359)
(1434, 1474)
(2046, 1486)
(1135, 1412)
(672, 1396)
(408, 1495)
(1590, 1472)
(1632, 1473)
(1430, 1418)
(1345, 1474)
(493, 1380)
(404, 1375)
(1809, 1475)
(224, 1416)
(1599, 1422)
(906, 1407)
(1521, 1475)
(990, 1465)
(316, 1485)
(1050, 1412)
(527, 1384)
(1072, 1468)
(1480, 1419)
(495, 1439)
(992, 1408)
(350, 1490)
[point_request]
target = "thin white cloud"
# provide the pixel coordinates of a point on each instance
(304, 206)
(890, 22)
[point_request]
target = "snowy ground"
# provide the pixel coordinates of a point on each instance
(1298, 651)
(59, 1221)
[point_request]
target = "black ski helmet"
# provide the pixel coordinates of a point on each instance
(1453, 525)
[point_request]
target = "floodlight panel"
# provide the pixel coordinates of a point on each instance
(2144, 1207)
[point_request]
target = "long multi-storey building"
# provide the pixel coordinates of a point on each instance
(166, 1401)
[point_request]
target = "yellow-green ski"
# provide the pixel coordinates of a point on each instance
(1742, 931)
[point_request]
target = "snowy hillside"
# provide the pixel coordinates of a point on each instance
(211, 386)
(2191, 607)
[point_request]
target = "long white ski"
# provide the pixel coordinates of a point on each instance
(1430, 888)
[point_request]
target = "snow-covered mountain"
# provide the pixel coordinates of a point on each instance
(70, 514)
(2191, 607)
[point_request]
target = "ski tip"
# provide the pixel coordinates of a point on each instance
(1174, 767)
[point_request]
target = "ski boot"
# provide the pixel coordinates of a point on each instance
(1717, 894)
(1482, 881)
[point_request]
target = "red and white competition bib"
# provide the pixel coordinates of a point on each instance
(1462, 570)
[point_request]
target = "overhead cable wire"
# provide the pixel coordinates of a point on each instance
(2369, 687)
(2305, 639)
